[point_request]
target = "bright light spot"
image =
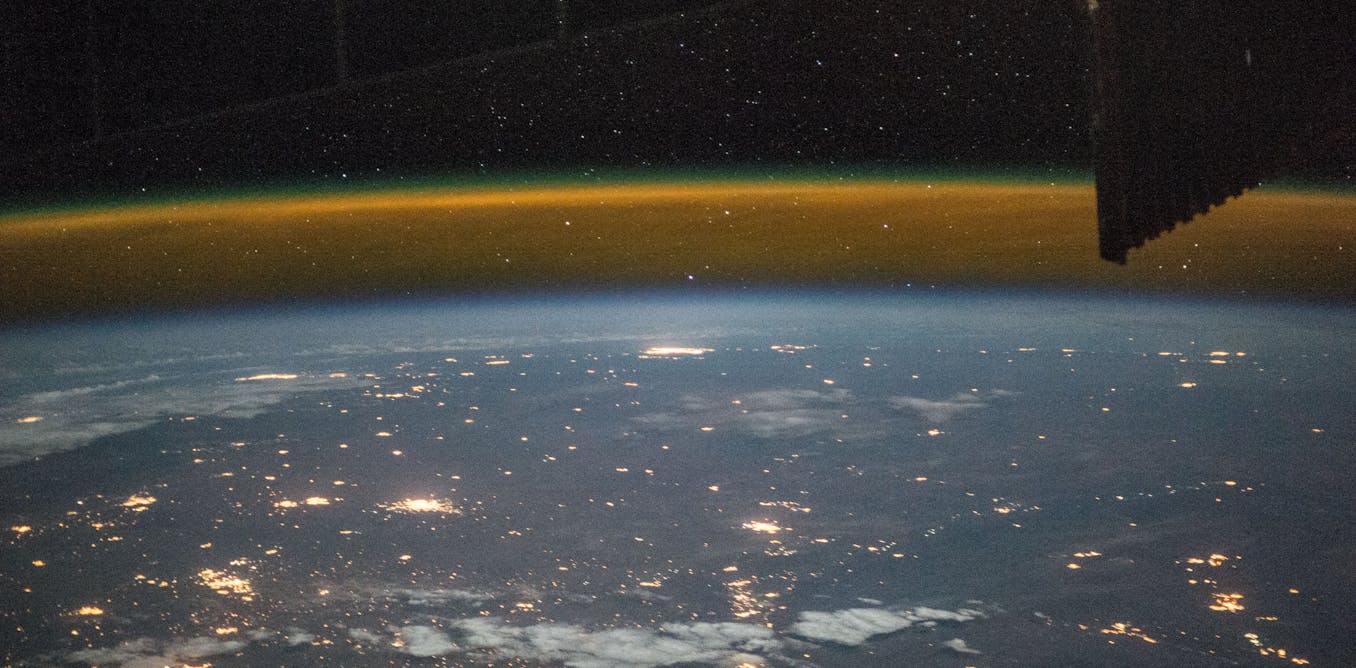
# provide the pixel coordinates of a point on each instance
(90, 611)
(764, 527)
(21, 529)
(673, 351)
(135, 501)
(1227, 603)
(224, 583)
(1123, 629)
(1188, 385)
(317, 501)
(268, 376)
(29, 419)
(422, 506)
(1072, 566)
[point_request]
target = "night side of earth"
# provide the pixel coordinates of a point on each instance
(827, 479)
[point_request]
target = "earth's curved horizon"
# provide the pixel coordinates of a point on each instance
(737, 231)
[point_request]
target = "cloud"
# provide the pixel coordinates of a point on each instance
(74, 416)
(958, 646)
(788, 423)
(363, 635)
(767, 414)
(425, 641)
(945, 409)
(417, 596)
(708, 643)
(775, 400)
(150, 653)
(578, 647)
(854, 626)
(938, 411)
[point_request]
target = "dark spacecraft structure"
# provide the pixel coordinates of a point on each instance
(1195, 101)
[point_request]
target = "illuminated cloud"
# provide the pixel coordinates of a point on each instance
(149, 653)
(938, 411)
(788, 424)
(75, 416)
(364, 636)
(439, 596)
(958, 646)
(425, 641)
(854, 626)
(776, 400)
(945, 409)
(768, 414)
(578, 647)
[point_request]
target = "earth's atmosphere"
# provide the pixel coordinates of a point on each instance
(633, 480)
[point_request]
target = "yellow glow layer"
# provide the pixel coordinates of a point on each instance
(754, 233)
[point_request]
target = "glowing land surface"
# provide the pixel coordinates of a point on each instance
(707, 232)
(832, 479)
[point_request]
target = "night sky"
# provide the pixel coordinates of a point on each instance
(212, 94)
(323, 101)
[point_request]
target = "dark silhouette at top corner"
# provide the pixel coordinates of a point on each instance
(1195, 102)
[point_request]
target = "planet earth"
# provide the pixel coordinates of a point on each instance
(818, 478)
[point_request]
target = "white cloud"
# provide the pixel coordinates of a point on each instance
(200, 647)
(434, 596)
(769, 414)
(578, 647)
(938, 411)
(363, 635)
(788, 423)
(958, 646)
(789, 399)
(945, 409)
(74, 416)
(297, 636)
(854, 626)
(425, 641)
(150, 653)
(125, 652)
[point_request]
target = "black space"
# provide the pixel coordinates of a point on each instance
(104, 101)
